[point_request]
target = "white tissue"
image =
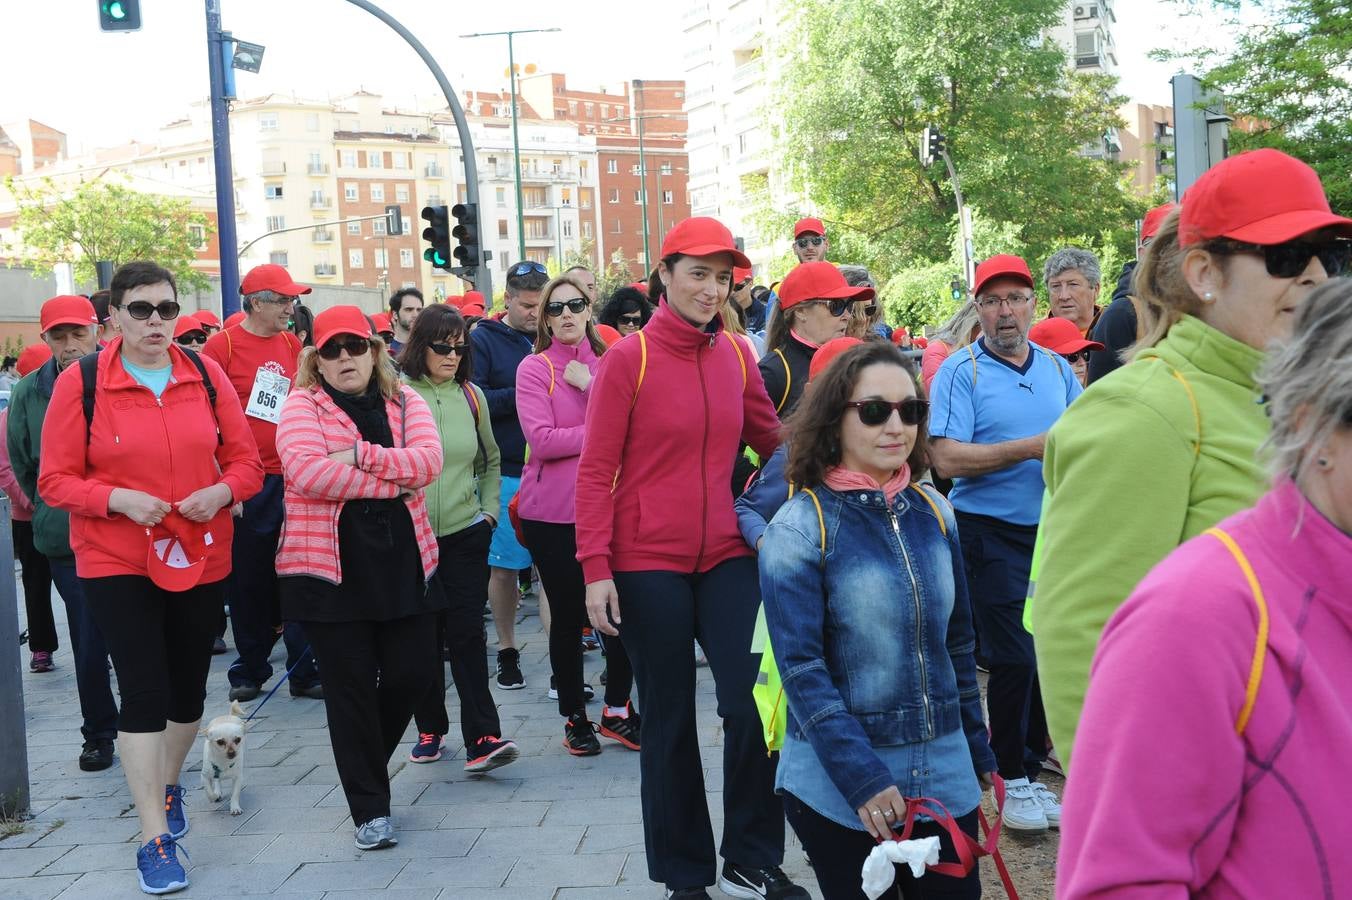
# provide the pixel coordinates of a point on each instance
(879, 873)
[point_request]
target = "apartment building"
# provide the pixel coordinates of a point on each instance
(1148, 141)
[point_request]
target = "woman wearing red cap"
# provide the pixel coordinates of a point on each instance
(665, 565)
(358, 551)
(189, 332)
(1060, 336)
(1167, 446)
(149, 475)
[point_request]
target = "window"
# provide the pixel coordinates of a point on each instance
(401, 193)
(557, 167)
(400, 159)
(501, 196)
(566, 196)
(502, 229)
(582, 169)
(375, 159)
(354, 228)
(405, 258)
(378, 226)
(382, 259)
(667, 198)
(312, 121)
(277, 259)
(605, 110)
(666, 168)
(267, 122)
(272, 191)
(377, 193)
(612, 167)
(588, 110)
(572, 107)
(567, 228)
(350, 191)
(587, 230)
(614, 195)
(638, 197)
(619, 227)
(354, 259)
(349, 159)
(199, 237)
(274, 223)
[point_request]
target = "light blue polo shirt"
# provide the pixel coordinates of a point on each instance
(980, 398)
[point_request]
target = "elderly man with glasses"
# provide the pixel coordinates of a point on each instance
(994, 401)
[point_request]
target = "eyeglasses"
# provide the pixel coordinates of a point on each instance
(554, 308)
(1073, 358)
(142, 309)
(442, 349)
(836, 308)
(526, 268)
(912, 410)
(188, 340)
(277, 301)
(632, 321)
(1015, 301)
(815, 240)
(355, 346)
(1290, 259)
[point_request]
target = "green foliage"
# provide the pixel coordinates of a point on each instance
(104, 220)
(616, 275)
(12, 346)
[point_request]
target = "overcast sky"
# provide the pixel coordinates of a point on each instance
(56, 66)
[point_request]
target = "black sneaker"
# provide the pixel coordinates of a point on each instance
(624, 729)
(96, 756)
(309, 692)
(579, 736)
(759, 884)
(245, 691)
(509, 670)
(218, 646)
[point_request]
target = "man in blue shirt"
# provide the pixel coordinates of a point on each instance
(992, 405)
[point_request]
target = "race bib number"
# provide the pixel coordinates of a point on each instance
(266, 396)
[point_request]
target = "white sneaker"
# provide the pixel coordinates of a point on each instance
(1051, 807)
(1023, 809)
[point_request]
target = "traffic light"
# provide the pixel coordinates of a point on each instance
(932, 145)
(938, 143)
(957, 287)
(120, 15)
(466, 233)
(394, 220)
(438, 237)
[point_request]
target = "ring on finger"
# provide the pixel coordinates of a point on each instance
(888, 813)
(877, 812)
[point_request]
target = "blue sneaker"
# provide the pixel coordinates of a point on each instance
(158, 868)
(174, 815)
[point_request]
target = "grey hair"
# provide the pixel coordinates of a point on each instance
(858, 276)
(246, 303)
(957, 331)
(1068, 258)
(1310, 393)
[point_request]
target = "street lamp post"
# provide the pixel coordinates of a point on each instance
(643, 169)
(516, 138)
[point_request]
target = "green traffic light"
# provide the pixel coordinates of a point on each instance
(115, 9)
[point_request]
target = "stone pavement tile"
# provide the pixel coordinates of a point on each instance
(214, 819)
(90, 831)
(612, 839)
(274, 819)
(617, 892)
(94, 858)
(403, 792)
(396, 894)
(484, 815)
(623, 786)
(456, 875)
(110, 884)
(372, 874)
(289, 773)
(255, 878)
(23, 862)
(83, 807)
(604, 811)
(582, 787)
(482, 789)
(212, 851)
(284, 796)
(43, 887)
(418, 817)
(254, 758)
(300, 849)
(321, 774)
(275, 895)
(109, 787)
(543, 839)
(635, 869)
(592, 870)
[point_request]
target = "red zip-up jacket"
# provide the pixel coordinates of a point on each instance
(166, 447)
(654, 481)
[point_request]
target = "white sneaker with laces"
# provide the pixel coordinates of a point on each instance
(1023, 810)
(1051, 807)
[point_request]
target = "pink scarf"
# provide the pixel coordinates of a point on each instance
(838, 479)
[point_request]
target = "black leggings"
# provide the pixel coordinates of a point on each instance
(160, 643)
(553, 547)
(37, 589)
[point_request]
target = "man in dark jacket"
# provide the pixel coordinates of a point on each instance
(1116, 329)
(70, 328)
(499, 345)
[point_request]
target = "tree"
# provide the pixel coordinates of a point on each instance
(1289, 73)
(105, 220)
(863, 78)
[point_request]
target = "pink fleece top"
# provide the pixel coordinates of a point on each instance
(1166, 799)
(21, 508)
(551, 412)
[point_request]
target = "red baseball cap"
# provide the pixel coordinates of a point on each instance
(472, 310)
(455, 300)
(740, 274)
(920, 343)
(234, 318)
(473, 298)
(818, 281)
(808, 226)
(827, 352)
(1150, 225)
(176, 557)
(702, 236)
(382, 322)
(338, 320)
(271, 277)
(68, 309)
(640, 286)
(1060, 336)
(608, 334)
(208, 318)
(1002, 265)
(185, 323)
(1259, 197)
(32, 358)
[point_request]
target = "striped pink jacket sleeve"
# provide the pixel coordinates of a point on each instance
(305, 457)
(417, 463)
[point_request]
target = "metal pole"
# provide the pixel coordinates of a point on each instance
(964, 222)
(558, 236)
(643, 178)
(225, 181)
(483, 275)
(516, 153)
(14, 789)
(659, 204)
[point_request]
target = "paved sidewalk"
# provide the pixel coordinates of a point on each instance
(547, 826)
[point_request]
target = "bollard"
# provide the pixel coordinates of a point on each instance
(13, 737)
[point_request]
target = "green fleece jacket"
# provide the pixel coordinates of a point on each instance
(1150, 456)
(458, 497)
(27, 408)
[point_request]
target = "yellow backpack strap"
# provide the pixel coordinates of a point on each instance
(642, 367)
(1196, 410)
(821, 520)
(788, 379)
(972, 354)
(934, 506)
(1264, 625)
(1055, 362)
(741, 359)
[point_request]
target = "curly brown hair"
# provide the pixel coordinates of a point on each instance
(813, 431)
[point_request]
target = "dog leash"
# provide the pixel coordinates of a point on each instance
(304, 653)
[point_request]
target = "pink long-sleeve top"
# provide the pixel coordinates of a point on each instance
(21, 508)
(1167, 799)
(551, 412)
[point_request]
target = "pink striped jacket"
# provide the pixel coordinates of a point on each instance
(312, 426)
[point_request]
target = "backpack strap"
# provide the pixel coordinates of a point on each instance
(1264, 626)
(211, 389)
(1192, 399)
(972, 354)
(741, 359)
(473, 400)
(1055, 362)
(821, 520)
(89, 375)
(642, 367)
(788, 379)
(934, 506)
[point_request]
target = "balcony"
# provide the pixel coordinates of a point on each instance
(325, 270)
(539, 236)
(749, 74)
(321, 202)
(323, 236)
(272, 167)
(1088, 61)
(317, 169)
(433, 171)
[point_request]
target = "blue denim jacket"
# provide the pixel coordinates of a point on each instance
(874, 640)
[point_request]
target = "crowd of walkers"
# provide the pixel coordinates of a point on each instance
(1133, 516)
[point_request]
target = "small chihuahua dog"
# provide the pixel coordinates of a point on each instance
(223, 756)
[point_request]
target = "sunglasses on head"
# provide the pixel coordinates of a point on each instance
(142, 309)
(355, 346)
(815, 240)
(526, 268)
(1290, 259)
(554, 308)
(440, 348)
(835, 307)
(635, 320)
(1073, 358)
(912, 410)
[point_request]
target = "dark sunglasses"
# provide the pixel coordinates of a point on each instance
(526, 268)
(815, 240)
(443, 349)
(634, 321)
(554, 308)
(142, 309)
(835, 307)
(913, 410)
(188, 339)
(355, 346)
(1290, 259)
(1073, 358)
(870, 309)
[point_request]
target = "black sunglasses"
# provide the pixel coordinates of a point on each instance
(870, 309)
(913, 410)
(444, 349)
(634, 320)
(1073, 358)
(142, 309)
(188, 339)
(526, 268)
(554, 308)
(1290, 259)
(835, 307)
(815, 240)
(355, 346)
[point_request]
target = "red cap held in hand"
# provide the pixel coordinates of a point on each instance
(68, 309)
(271, 277)
(176, 557)
(338, 320)
(702, 236)
(1002, 265)
(808, 226)
(818, 281)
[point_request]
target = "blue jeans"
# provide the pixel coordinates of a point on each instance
(97, 706)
